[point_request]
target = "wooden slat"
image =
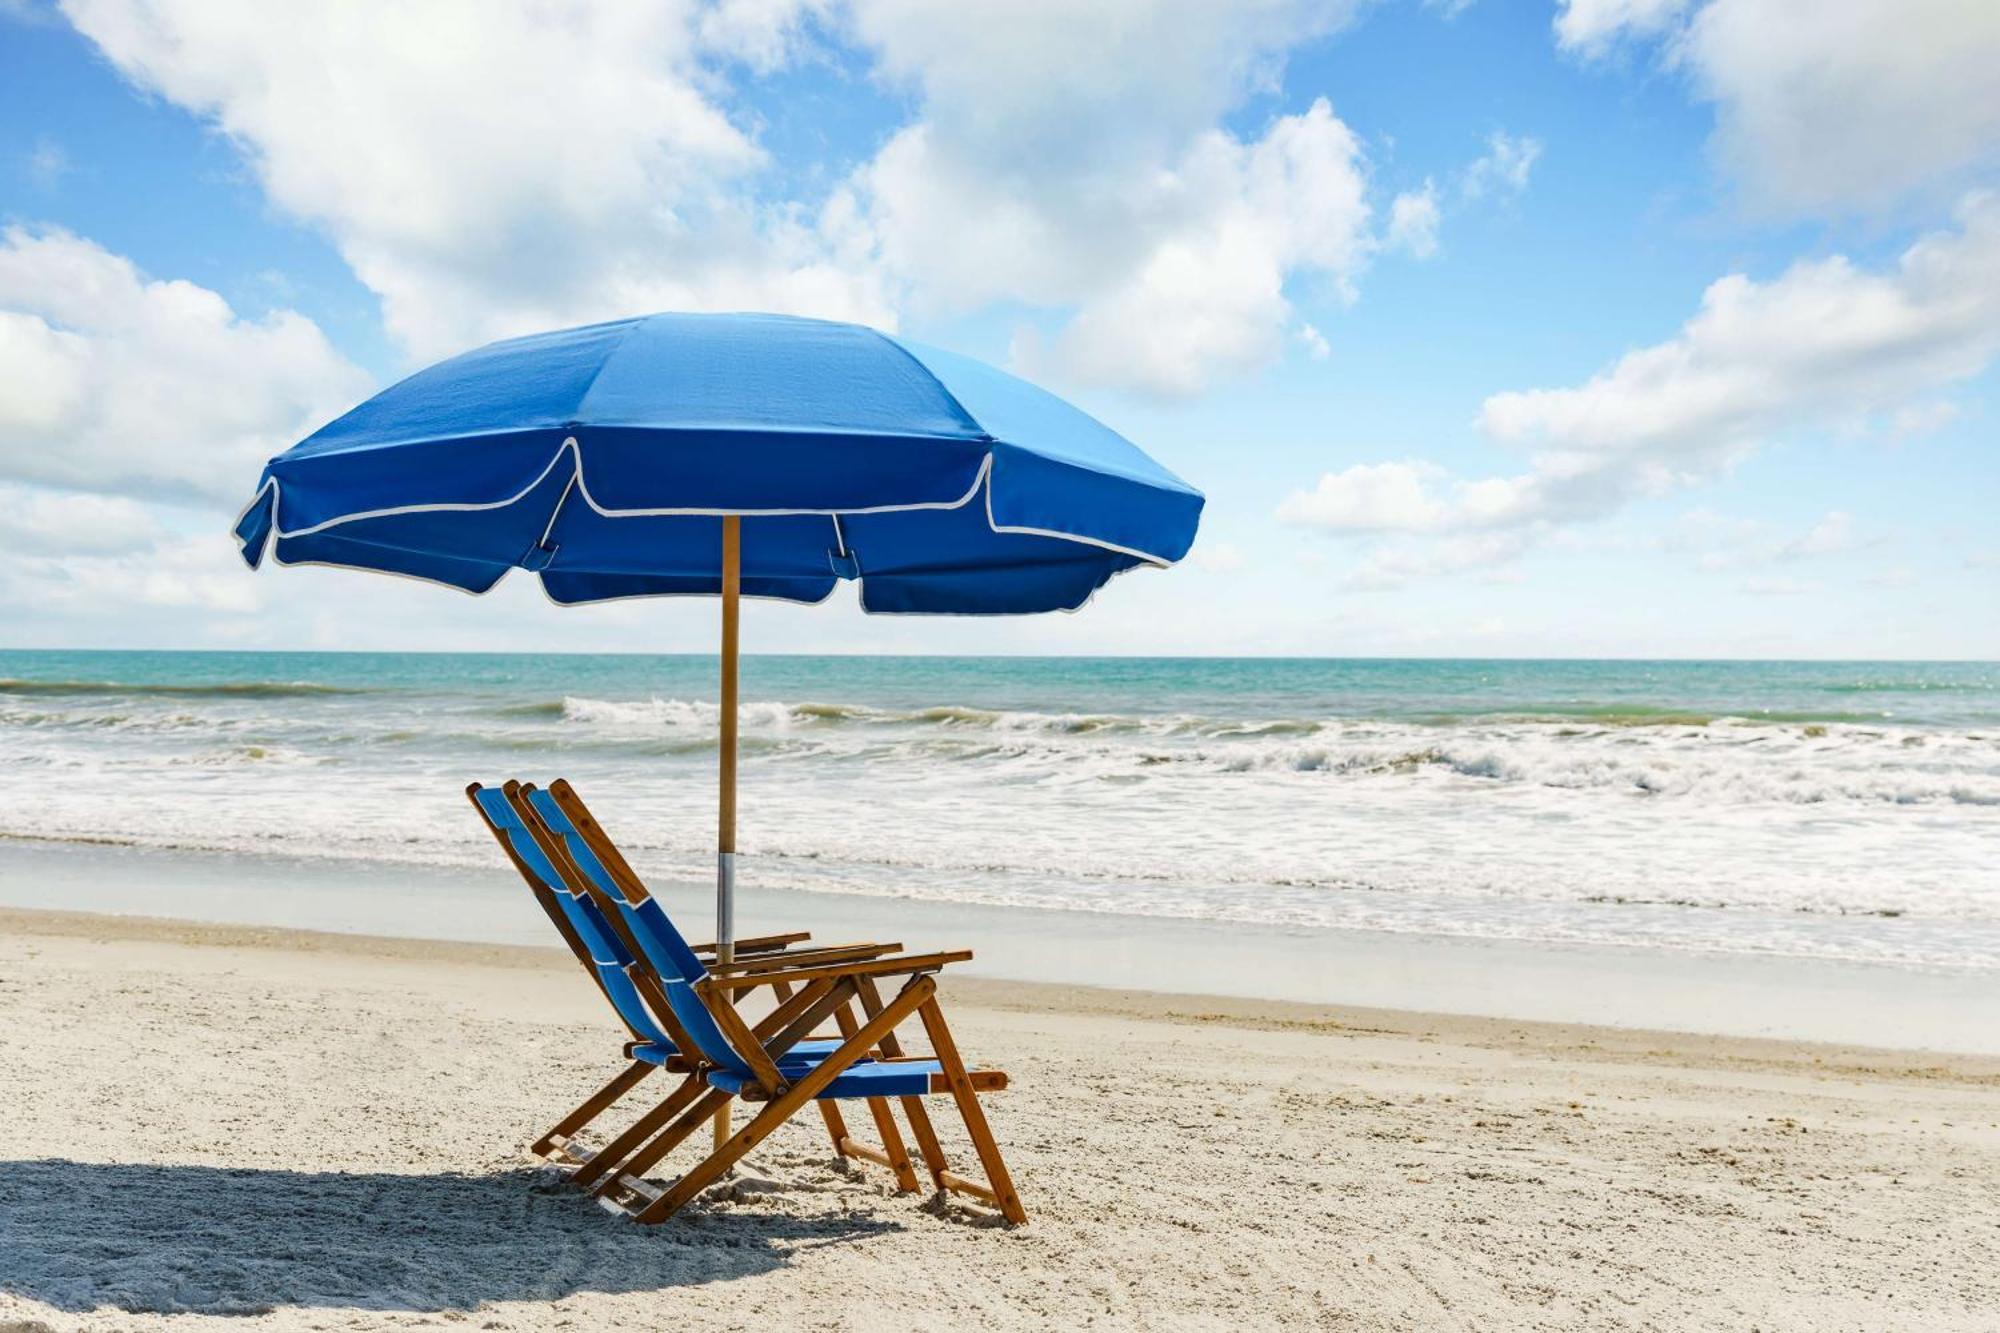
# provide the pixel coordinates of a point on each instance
(757, 943)
(836, 994)
(738, 1034)
(881, 967)
(832, 953)
(625, 879)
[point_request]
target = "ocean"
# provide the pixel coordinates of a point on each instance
(1846, 811)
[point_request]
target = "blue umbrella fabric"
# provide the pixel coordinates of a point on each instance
(604, 459)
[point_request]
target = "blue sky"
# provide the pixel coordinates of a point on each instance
(1614, 327)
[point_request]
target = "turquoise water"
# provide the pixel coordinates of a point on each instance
(1915, 694)
(1847, 810)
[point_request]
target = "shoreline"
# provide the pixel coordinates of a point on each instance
(1585, 1041)
(1871, 1004)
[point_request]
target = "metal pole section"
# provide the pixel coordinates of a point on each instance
(725, 832)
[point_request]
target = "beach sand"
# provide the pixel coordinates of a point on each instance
(258, 1129)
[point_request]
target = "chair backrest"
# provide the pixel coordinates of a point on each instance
(601, 948)
(661, 943)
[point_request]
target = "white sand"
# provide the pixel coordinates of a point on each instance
(251, 1130)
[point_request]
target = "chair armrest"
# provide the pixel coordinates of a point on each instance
(836, 953)
(907, 964)
(759, 943)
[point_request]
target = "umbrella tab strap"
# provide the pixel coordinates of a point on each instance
(845, 564)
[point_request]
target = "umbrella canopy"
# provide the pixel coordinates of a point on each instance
(606, 459)
(726, 454)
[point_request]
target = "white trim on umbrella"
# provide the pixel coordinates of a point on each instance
(983, 479)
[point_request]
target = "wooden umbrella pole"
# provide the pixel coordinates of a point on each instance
(725, 828)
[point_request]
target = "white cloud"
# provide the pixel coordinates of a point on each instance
(121, 384)
(1205, 299)
(54, 522)
(1316, 345)
(1413, 222)
(1592, 26)
(1826, 344)
(1067, 156)
(180, 575)
(1855, 104)
(1504, 168)
(1370, 497)
(491, 167)
(1399, 562)
(761, 33)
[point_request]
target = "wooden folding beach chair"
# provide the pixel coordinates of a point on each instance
(600, 945)
(607, 884)
(765, 1064)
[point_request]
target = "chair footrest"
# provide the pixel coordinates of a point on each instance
(629, 1185)
(960, 1185)
(866, 1152)
(569, 1150)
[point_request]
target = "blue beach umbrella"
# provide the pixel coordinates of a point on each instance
(703, 455)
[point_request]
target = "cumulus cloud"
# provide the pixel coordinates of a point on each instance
(1826, 344)
(1064, 156)
(1205, 297)
(119, 383)
(583, 138)
(1067, 156)
(1857, 104)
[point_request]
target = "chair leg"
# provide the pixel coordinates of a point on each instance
(927, 1139)
(697, 1115)
(610, 1159)
(913, 1107)
(591, 1107)
(946, 1050)
(782, 1107)
(898, 1157)
(836, 1128)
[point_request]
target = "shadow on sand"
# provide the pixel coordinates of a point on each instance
(221, 1240)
